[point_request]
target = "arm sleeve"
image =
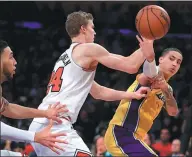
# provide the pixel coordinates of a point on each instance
(10, 153)
(150, 69)
(14, 134)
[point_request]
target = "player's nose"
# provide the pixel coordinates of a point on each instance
(175, 63)
(15, 62)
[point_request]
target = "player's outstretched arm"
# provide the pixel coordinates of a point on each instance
(44, 137)
(149, 67)
(108, 94)
(128, 64)
(19, 112)
(10, 153)
(14, 134)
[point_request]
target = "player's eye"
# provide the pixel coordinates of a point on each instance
(179, 62)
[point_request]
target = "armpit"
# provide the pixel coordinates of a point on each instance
(3, 104)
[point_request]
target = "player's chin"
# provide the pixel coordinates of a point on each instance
(170, 74)
(11, 75)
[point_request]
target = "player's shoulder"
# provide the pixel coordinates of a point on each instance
(87, 49)
(88, 45)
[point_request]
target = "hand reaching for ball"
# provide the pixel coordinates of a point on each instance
(146, 46)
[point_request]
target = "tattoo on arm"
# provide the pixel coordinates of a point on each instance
(169, 98)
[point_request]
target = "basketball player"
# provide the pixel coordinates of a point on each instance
(133, 119)
(44, 137)
(73, 79)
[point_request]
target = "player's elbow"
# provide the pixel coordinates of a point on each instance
(173, 112)
(135, 69)
(132, 69)
(99, 93)
(102, 96)
(96, 96)
(95, 92)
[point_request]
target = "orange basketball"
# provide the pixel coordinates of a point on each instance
(152, 22)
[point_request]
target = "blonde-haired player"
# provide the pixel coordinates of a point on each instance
(73, 79)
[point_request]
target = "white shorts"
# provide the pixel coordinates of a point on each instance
(75, 146)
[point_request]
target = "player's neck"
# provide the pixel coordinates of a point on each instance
(166, 77)
(78, 39)
(3, 78)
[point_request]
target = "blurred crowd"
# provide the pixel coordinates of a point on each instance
(37, 50)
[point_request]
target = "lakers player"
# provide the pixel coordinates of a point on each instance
(133, 119)
(73, 79)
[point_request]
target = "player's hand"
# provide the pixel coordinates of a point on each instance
(142, 92)
(159, 82)
(54, 111)
(147, 48)
(48, 139)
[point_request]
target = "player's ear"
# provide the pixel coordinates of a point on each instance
(160, 59)
(83, 29)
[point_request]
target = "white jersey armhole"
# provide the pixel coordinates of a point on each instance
(71, 56)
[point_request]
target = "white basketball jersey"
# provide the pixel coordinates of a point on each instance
(69, 84)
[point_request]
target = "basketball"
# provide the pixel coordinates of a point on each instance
(152, 22)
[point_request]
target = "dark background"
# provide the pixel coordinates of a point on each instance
(36, 33)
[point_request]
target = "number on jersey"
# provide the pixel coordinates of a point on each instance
(56, 80)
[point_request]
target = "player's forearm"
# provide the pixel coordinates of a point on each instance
(150, 69)
(20, 112)
(7, 153)
(135, 60)
(171, 104)
(109, 94)
(14, 134)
